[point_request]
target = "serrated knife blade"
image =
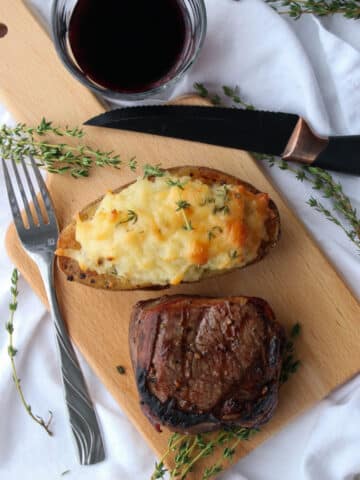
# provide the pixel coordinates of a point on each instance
(282, 134)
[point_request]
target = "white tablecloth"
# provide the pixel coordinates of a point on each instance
(311, 67)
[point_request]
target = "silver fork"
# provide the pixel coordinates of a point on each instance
(39, 239)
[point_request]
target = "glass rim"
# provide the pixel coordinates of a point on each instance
(109, 94)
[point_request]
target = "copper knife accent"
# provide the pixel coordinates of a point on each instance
(304, 145)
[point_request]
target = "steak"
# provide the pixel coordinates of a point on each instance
(206, 363)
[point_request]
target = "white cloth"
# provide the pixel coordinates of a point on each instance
(311, 67)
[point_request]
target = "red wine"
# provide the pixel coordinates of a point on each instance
(127, 45)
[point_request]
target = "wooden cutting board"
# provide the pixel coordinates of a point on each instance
(295, 278)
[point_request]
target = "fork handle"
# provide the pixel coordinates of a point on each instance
(81, 412)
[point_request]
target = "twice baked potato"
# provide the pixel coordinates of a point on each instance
(179, 225)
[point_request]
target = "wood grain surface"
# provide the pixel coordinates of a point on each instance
(296, 279)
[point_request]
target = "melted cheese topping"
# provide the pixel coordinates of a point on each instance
(154, 232)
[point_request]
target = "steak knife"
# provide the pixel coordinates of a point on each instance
(281, 134)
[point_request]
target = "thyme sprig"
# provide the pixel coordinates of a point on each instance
(133, 164)
(182, 206)
(214, 232)
(187, 451)
(233, 95)
(176, 183)
(223, 208)
(203, 92)
(78, 159)
(342, 213)
(153, 170)
(12, 351)
(221, 200)
(233, 254)
(290, 364)
(187, 225)
(132, 217)
(321, 8)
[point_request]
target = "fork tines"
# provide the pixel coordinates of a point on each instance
(40, 214)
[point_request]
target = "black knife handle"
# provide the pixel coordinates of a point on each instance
(341, 154)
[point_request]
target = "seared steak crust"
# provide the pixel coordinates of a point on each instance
(205, 363)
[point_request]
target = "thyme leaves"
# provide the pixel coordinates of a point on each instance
(12, 352)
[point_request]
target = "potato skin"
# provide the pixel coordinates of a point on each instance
(109, 282)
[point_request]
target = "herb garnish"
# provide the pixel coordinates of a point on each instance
(224, 209)
(233, 254)
(233, 94)
(133, 164)
(175, 183)
(290, 365)
(222, 197)
(213, 231)
(342, 208)
(188, 450)
(207, 200)
(153, 171)
(131, 217)
(348, 8)
(188, 225)
(182, 205)
(343, 213)
(13, 351)
(223, 192)
(23, 141)
(203, 92)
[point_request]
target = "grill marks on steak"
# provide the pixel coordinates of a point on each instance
(202, 363)
(198, 357)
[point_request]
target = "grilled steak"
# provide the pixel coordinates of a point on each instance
(205, 363)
